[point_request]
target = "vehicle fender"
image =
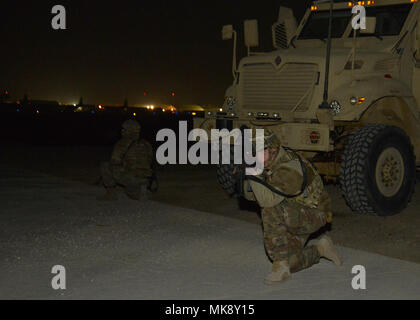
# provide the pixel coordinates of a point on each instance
(395, 111)
(367, 92)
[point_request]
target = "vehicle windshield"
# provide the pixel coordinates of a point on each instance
(389, 22)
(317, 25)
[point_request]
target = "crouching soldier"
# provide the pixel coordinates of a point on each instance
(130, 165)
(294, 205)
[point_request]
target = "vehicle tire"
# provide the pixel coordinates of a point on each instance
(225, 173)
(226, 176)
(378, 172)
(227, 179)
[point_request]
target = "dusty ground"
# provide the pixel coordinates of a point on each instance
(197, 188)
(150, 250)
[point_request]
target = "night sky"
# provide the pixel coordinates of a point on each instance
(114, 50)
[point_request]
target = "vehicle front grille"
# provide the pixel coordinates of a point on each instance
(266, 88)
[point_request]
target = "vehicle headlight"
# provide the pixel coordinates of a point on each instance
(336, 107)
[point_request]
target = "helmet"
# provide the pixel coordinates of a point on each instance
(131, 126)
(270, 141)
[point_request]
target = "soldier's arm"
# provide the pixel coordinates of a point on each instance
(286, 178)
(248, 193)
(264, 196)
(120, 149)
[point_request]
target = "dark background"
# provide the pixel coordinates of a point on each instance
(120, 49)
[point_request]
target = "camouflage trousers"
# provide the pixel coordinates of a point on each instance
(287, 228)
(134, 186)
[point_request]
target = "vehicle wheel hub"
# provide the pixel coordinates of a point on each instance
(390, 172)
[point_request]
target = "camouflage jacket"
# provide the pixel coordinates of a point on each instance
(285, 174)
(134, 156)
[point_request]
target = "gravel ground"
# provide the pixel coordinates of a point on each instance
(149, 250)
(197, 188)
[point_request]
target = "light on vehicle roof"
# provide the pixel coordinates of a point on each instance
(364, 3)
(314, 8)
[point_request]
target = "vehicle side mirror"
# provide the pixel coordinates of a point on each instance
(251, 33)
(227, 32)
(284, 29)
(370, 26)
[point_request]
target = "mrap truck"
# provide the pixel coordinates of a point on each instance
(347, 99)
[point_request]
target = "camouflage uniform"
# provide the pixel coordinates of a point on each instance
(288, 222)
(130, 164)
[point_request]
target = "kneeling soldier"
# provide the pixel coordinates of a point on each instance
(130, 165)
(294, 205)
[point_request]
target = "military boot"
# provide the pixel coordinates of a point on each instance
(327, 250)
(110, 195)
(279, 274)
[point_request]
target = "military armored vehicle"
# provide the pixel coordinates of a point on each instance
(347, 99)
